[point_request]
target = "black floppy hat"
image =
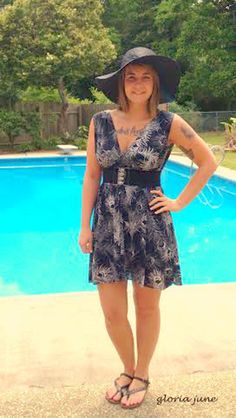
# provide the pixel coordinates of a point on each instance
(167, 69)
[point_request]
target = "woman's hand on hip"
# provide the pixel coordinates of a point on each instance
(162, 203)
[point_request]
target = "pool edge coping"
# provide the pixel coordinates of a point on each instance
(225, 172)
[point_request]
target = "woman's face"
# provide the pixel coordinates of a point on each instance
(138, 82)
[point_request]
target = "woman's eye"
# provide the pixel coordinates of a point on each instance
(133, 78)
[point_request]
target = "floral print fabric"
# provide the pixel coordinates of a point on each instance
(130, 241)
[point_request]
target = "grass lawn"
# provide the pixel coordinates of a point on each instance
(216, 138)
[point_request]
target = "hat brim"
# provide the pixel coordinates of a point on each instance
(168, 71)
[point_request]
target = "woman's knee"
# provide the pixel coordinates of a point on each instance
(113, 298)
(146, 300)
(115, 316)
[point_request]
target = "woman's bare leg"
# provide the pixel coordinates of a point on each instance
(147, 328)
(114, 302)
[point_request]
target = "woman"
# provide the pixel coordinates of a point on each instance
(132, 235)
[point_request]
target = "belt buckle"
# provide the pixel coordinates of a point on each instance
(121, 174)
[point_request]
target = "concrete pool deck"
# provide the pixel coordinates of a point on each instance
(57, 359)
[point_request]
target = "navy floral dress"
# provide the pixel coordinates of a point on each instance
(130, 241)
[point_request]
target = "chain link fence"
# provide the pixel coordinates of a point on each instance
(208, 121)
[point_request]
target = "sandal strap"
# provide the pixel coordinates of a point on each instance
(130, 391)
(142, 380)
(119, 387)
(127, 375)
(122, 388)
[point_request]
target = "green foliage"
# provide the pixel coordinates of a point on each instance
(81, 144)
(4, 3)
(80, 137)
(230, 133)
(218, 138)
(46, 94)
(44, 42)
(39, 144)
(177, 108)
(119, 16)
(131, 22)
(40, 94)
(15, 123)
(99, 96)
(11, 124)
(31, 124)
(75, 100)
(25, 147)
(200, 35)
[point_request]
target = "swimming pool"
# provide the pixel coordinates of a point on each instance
(40, 215)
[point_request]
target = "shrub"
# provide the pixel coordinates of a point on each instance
(14, 123)
(230, 134)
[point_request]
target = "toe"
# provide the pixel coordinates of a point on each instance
(124, 400)
(135, 399)
(117, 397)
(110, 394)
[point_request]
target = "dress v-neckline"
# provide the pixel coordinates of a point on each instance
(137, 138)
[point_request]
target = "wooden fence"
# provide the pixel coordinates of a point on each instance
(78, 115)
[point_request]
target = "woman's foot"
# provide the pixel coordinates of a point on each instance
(137, 397)
(112, 394)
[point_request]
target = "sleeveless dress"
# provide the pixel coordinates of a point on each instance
(130, 241)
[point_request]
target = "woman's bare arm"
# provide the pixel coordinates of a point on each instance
(184, 136)
(91, 179)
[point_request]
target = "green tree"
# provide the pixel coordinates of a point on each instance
(119, 17)
(206, 42)
(131, 22)
(4, 3)
(200, 35)
(46, 43)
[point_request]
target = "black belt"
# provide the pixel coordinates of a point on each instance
(122, 175)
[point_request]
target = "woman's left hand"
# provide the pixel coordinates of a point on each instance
(163, 203)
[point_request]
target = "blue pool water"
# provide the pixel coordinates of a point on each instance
(40, 214)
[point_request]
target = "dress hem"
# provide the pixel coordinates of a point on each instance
(141, 285)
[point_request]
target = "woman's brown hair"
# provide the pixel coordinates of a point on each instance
(154, 99)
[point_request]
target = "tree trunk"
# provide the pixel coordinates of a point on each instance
(62, 122)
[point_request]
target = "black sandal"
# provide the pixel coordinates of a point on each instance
(128, 392)
(119, 389)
